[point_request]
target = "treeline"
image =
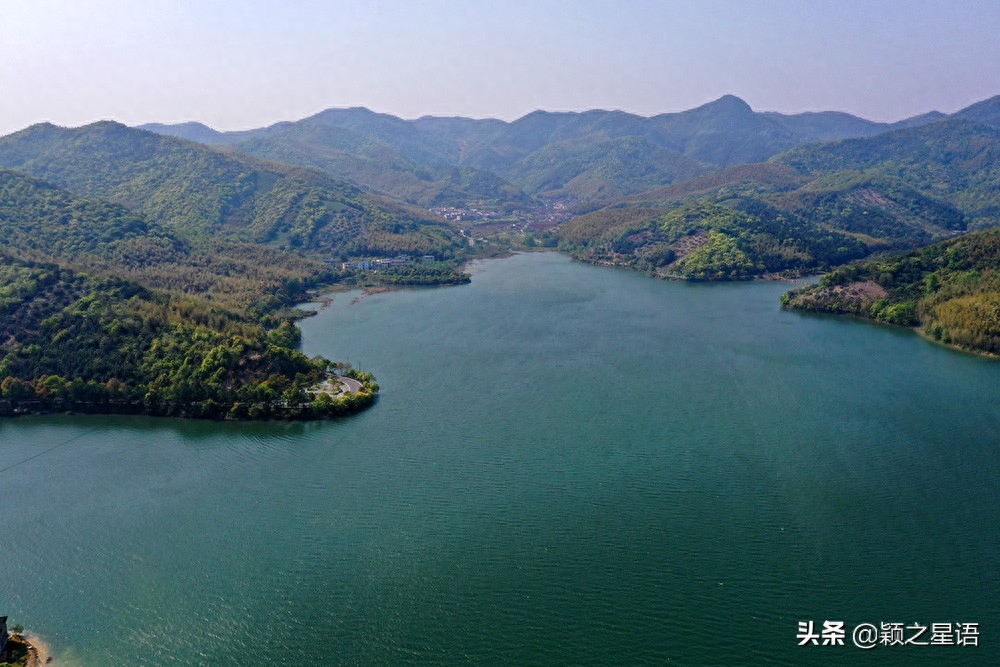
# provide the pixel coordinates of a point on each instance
(704, 240)
(950, 290)
(416, 273)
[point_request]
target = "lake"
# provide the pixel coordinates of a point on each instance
(568, 464)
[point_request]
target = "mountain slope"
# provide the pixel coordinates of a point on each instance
(40, 222)
(878, 208)
(986, 112)
(382, 167)
(724, 132)
(104, 311)
(708, 240)
(888, 192)
(581, 156)
(191, 131)
(594, 169)
(202, 193)
(955, 161)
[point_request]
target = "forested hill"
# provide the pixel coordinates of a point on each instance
(412, 174)
(201, 193)
(102, 310)
(950, 290)
(99, 344)
(590, 156)
(40, 222)
(894, 191)
(144, 273)
(955, 161)
(108, 308)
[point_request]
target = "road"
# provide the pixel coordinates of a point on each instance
(353, 386)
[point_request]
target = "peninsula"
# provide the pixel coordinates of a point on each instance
(949, 291)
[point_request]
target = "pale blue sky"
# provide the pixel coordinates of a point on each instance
(244, 64)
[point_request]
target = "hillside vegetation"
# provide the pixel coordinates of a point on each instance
(202, 193)
(153, 306)
(704, 240)
(587, 157)
(40, 222)
(954, 161)
(147, 273)
(949, 290)
(808, 209)
(103, 311)
(88, 344)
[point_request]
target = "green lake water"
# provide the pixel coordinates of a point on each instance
(567, 465)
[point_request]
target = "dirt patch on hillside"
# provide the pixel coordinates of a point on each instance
(689, 244)
(868, 290)
(854, 297)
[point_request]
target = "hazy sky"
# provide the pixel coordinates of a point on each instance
(239, 64)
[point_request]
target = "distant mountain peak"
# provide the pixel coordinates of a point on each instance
(105, 125)
(338, 114)
(333, 111)
(537, 113)
(728, 104)
(188, 125)
(190, 130)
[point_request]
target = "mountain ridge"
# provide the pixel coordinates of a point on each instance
(893, 191)
(204, 192)
(517, 159)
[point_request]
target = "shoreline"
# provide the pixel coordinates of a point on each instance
(917, 329)
(375, 289)
(43, 655)
(38, 652)
(801, 277)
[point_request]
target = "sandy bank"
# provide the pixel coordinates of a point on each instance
(38, 651)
